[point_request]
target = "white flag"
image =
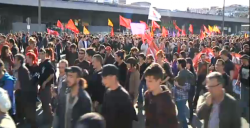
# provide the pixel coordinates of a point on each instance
(154, 15)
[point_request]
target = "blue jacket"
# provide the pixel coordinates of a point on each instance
(7, 83)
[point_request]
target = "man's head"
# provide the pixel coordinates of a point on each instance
(245, 59)
(31, 58)
(5, 103)
(73, 48)
(110, 75)
(215, 83)
(2, 38)
(149, 59)
(42, 54)
(216, 51)
(74, 73)
(63, 64)
(153, 75)
(19, 59)
(81, 54)
(203, 57)
(97, 61)
(219, 66)
(181, 62)
(141, 57)
(134, 51)
(224, 54)
(102, 49)
(119, 55)
(183, 54)
(246, 48)
(91, 120)
(89, 54)
(108, 50)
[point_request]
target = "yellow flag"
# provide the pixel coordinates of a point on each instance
(85, 30)
(210, 28)
(110, 23)
(246, 35)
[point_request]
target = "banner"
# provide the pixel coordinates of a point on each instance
(137, 28)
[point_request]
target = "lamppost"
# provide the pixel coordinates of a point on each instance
(39, 15)
(223, 17)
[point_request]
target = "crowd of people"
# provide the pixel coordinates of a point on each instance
(103, 80)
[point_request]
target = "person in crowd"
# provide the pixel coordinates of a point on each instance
(7, 82)
(191, 92)
(117, 108)
(32, 46)
(119, 58)
(133, 53)
(229, 66)
(3, 41)
(219, 67)
(192, 50)
(174, 64)
(144, 47)
(46, 81)
(97, 88)
(75, 103)
(96, 44)
(109, 58)
(91, 120)
(243, 82)
(45, 40)
(90, 52)
(83, 43)
(5, 105)
(133, 78)
(202, 71)
(61, 88)
(168, 78)
(81, 62)
(7, 58)
(182, 83)
(73, 55)
(142, 86)
(13, 46)
(149, 59)
(102, 51)
(216, 51)
(158, 97)
(27, 90)
(245, 50)
(217, 102)
(183, 54)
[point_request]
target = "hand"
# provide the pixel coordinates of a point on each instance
(44, 84)
(209, 100)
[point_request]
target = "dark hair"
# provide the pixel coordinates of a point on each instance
(142, 55)
(121, 54)
(182, 62)
(42, 50)
(222, 61)
(4, 56)
(226, 47)
(73, 46)
(216, 48)
(132, 61)
(20, 57)
(50, 52)
(190, 61)
(154, 70)
(101, 47)
(90, 52)
(12, 41)
(224, 52)
(99, 58)
(176, 54)
(183, 54)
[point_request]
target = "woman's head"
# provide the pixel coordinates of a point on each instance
(160, 56)
(49, 53)
(119, 55)
(134, 51)
(12, 42)
(32, 41)
(131, 63)
(175, 56)
(5, 51)
(189, 63)
(31, 58)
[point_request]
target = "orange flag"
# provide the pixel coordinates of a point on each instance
(144, 23)
(191, 28)
(155, 25)
(71, 26)
(164, 32)
(202, 35)
(59, 24)
(176, 26)
(125, 22)
(112, 32)
(205, 28)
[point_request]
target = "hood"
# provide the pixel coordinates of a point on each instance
(6, 76)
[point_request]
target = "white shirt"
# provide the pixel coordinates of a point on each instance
(144, 48)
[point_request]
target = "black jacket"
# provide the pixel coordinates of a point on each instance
(24, 79)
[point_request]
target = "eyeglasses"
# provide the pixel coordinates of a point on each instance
(81, 53)
(209, 87)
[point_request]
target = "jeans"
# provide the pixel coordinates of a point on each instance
(142, 90)
(190, 102)
(244, 99)
(181, 106)
(45, 97)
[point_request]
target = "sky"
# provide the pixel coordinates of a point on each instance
(183, 4)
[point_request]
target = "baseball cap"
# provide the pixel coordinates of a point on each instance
(5, 104)
(91, 120)
(74, 69)
(110, 70)
(244, 57)
(108, 48)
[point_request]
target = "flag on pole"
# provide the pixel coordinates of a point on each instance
(85, 31)
(155, 25)
(210, 29)
(52, 32)
(110, 23)
(59, 24)
(112, 32)
(125, 22)
(164, 32)
(137, 28)
(191, 28)
(153, 14)
(145, 24)
(71, 26)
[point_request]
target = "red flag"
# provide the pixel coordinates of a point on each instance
(208, 52)
(71, 26)
(164, 32)
(205, 28)
(237, 63)
(155, 25)
(112, 32)
(125, 22)
(191, 28)
(145, 24)
(52, 32)
(202, 35)
(176, 27)
(183, 32)
(178, 34)
(59, 24)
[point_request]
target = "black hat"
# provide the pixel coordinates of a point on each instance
(110, 70)
(74, 69)
(91, 120)
(245, 56)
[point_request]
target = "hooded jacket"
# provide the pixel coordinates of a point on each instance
(7, 83)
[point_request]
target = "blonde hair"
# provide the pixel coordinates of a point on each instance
(32, 40)
(64, 61)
